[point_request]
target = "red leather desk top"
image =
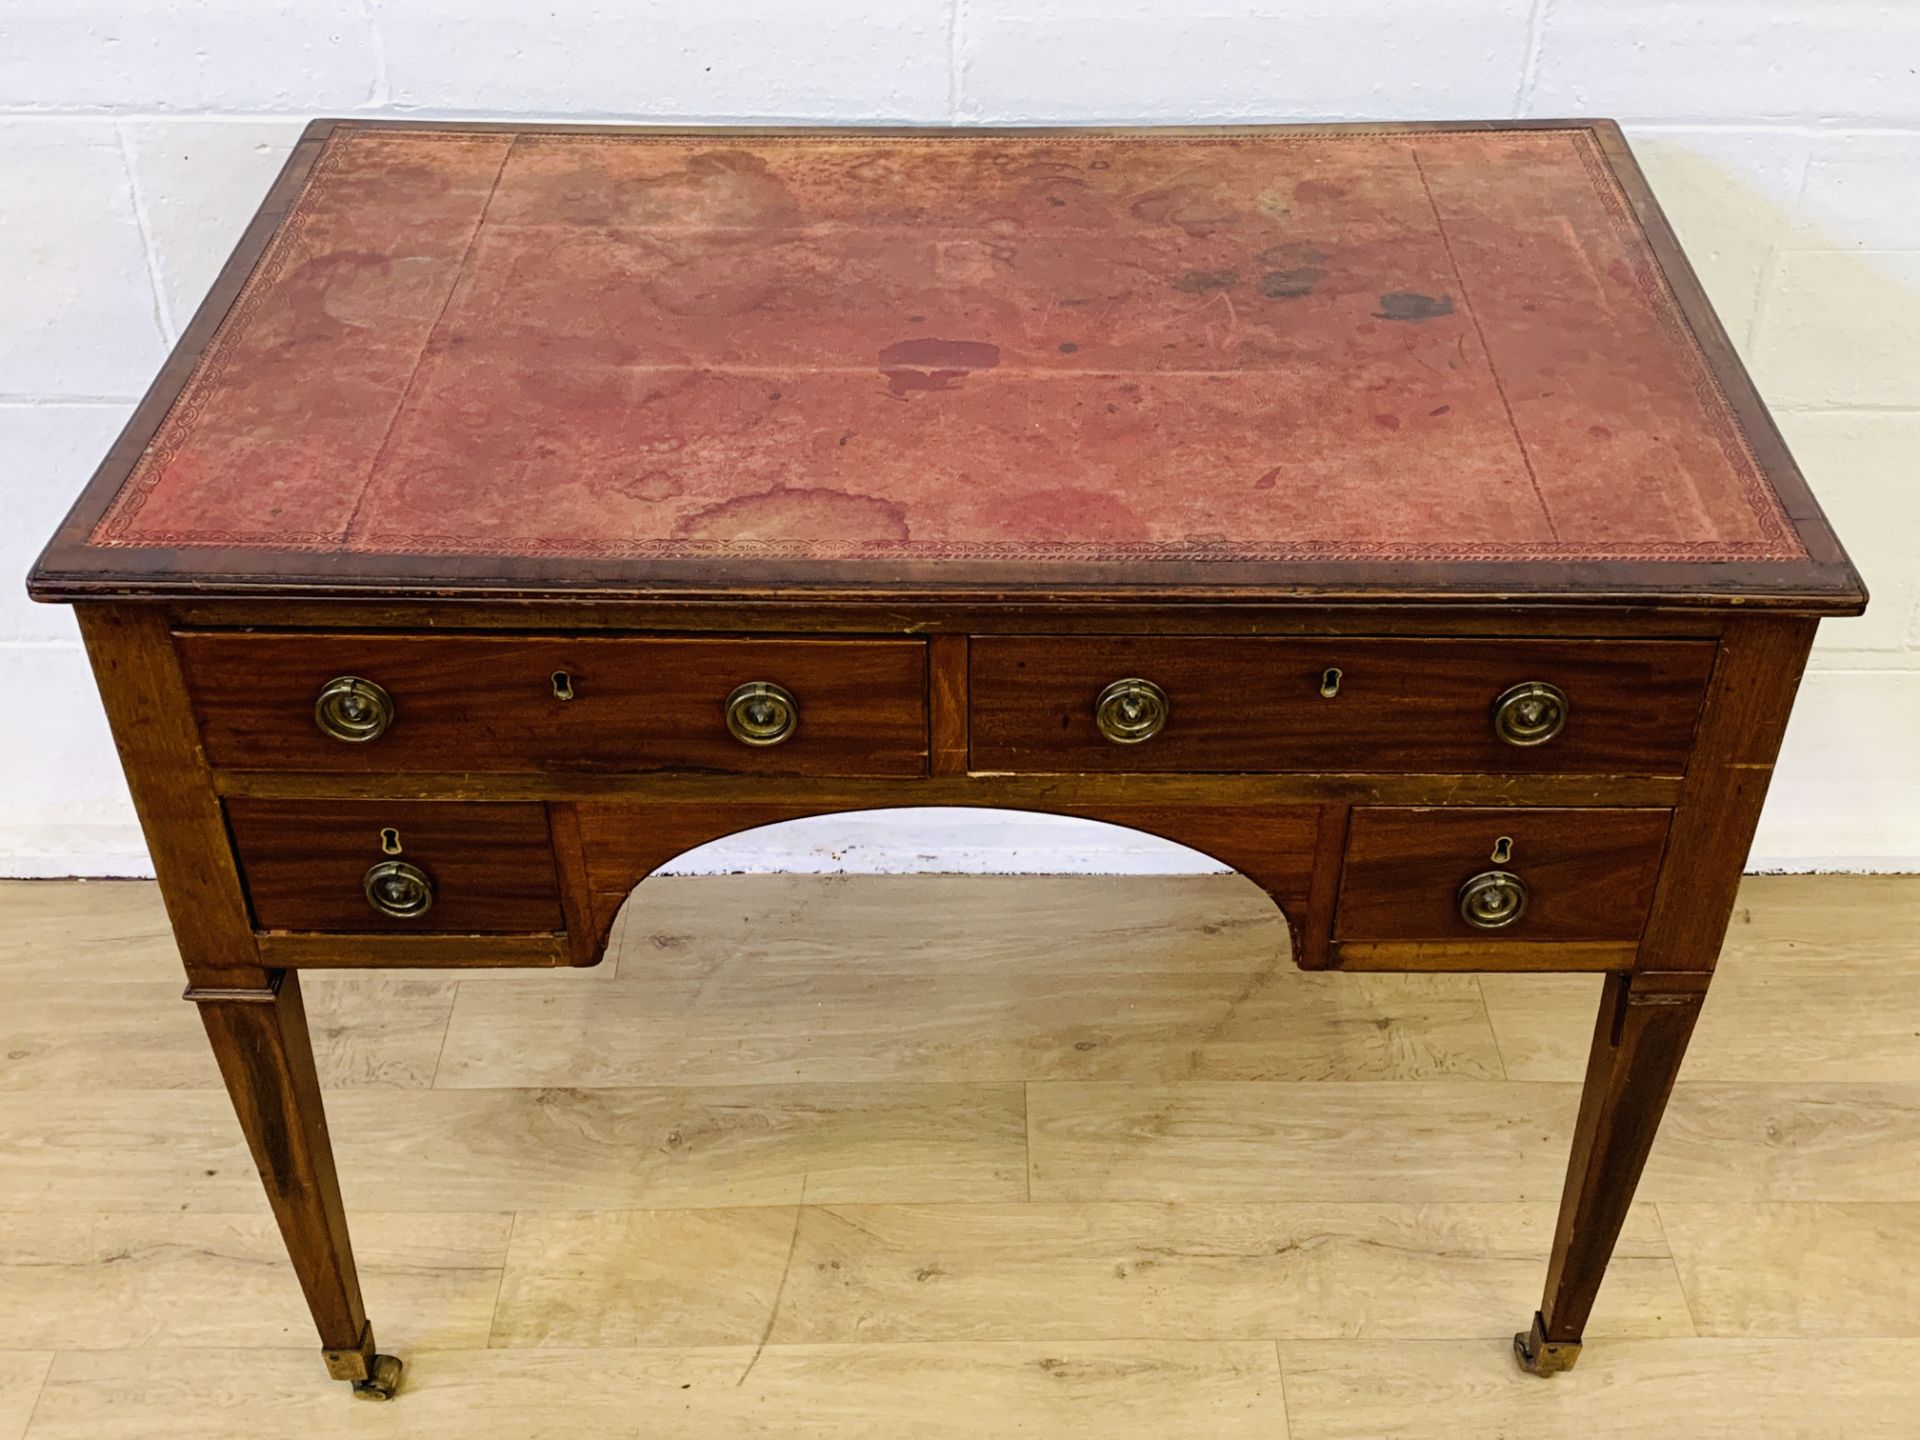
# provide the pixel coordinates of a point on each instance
(1102, 350)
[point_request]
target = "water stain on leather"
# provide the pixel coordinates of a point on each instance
(1289, 253)
(1192, 208)
(334, 292)
(1309, 190)
(726, 187)
(1411, 305)
(654, 486)
(877, 170)
(713, 285)
(804, 513)
(930, 364)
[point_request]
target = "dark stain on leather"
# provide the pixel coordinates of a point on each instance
(930, 364)
(1205, 282)
(1291, 284)
(1411, 305)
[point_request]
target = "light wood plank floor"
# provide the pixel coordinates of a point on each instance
(935, 1156)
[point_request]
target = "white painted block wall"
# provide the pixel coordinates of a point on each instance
(1783, 138)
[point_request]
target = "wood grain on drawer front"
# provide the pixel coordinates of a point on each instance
(305, 862)
(1421, 705)
(485, 703)
(1589, 873)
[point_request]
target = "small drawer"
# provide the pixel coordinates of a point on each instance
(483, 868)
(1415, 873)
(359, 702)
(1360, 705)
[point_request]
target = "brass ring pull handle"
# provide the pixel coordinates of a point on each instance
(400, 890)
(353, 710)
(1130, 711)
(762, 713)
(1493, 900)
(1530, 713)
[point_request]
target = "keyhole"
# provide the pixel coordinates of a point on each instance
(390, 842)
(562, 685)
(1330, 681)
(1503, 850)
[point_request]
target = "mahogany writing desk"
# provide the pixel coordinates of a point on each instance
(1378, 509)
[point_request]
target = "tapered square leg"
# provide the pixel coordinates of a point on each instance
(1638, 1042)
(266, 1057)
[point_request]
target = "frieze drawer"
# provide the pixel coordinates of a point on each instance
(364, 702)
(1335, 705)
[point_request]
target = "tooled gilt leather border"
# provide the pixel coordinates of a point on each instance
(1780, 540)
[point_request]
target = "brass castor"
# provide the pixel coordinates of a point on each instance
(1540, 1356)
(382, 1381)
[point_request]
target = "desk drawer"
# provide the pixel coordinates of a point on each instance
(482, 703)
(1570, 874)
(1390, 704)
(487, 868)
